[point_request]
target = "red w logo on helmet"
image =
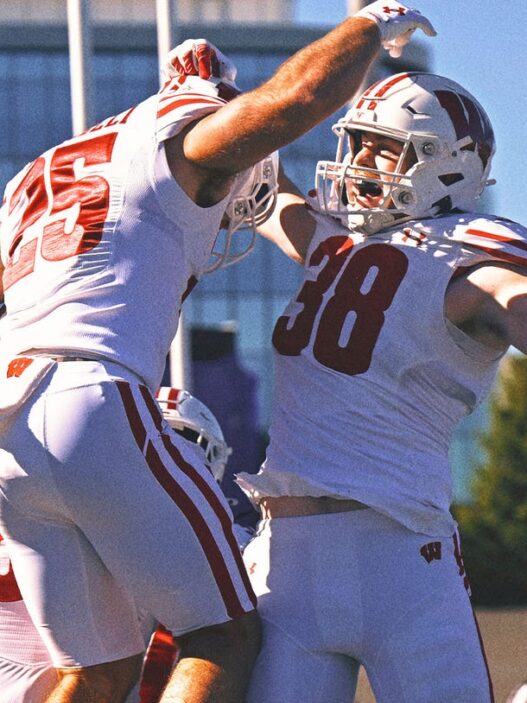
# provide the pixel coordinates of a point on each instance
(469, 120)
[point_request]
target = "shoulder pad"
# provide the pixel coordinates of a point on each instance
(500, 239)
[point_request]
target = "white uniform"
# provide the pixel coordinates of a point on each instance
(26, 674)
(371, 381)
(110, 195)
(100, 245)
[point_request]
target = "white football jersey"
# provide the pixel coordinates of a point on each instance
(371, 379)
(100, 243)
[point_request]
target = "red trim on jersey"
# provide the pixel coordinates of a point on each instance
(498, 254)
(181, 95)
(182, 101)
(185, 504)
(518, 243)
(203, 486)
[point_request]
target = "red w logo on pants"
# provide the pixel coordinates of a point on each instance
(431, 551)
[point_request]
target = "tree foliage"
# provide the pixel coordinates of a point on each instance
(494, 526)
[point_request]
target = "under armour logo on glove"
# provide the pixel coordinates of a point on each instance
(396, 24)
(399, 10)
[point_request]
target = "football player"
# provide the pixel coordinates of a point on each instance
(26, 672)
(193, 420)
(101, 239)
(411, 299)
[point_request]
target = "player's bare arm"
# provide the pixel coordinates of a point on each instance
(306, 89)
(489, 303)
(290, 226)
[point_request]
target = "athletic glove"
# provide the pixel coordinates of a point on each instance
(396, 24)
(198, 57)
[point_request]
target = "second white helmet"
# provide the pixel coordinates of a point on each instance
(446, 136)
(192, 419)
(253, 200)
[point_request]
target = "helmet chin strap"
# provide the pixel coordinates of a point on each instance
(371, 221)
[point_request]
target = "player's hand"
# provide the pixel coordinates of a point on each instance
(198, 57)
(396, 23)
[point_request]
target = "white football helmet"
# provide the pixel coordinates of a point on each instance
(446, 136)
(191, 418)
(254, 197)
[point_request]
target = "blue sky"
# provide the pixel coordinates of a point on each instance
(482, 45)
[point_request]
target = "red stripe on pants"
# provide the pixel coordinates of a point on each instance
(203, 486)
(185, 504)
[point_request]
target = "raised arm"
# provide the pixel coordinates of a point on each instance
(490, 304)
(306, 89)
(290, 225)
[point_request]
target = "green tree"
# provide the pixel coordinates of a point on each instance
(494, 526)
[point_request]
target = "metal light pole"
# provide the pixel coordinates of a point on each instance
(179, 349)
(79, 39)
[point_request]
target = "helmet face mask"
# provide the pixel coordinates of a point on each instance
(193, 420)
(446, 142)
(254, 198)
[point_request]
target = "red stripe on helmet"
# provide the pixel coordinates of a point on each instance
(368, 91)
(385, 86)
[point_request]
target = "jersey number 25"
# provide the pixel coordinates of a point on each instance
(50, 188)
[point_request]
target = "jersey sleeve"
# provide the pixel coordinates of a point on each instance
(185, 100)
(493, 239)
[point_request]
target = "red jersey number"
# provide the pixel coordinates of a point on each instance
(351, 320)
(90, 194)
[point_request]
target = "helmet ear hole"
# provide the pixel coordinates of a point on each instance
(448, 179)
(443, 205)
(410, 158)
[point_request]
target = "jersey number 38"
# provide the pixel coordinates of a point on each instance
(345, 324)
